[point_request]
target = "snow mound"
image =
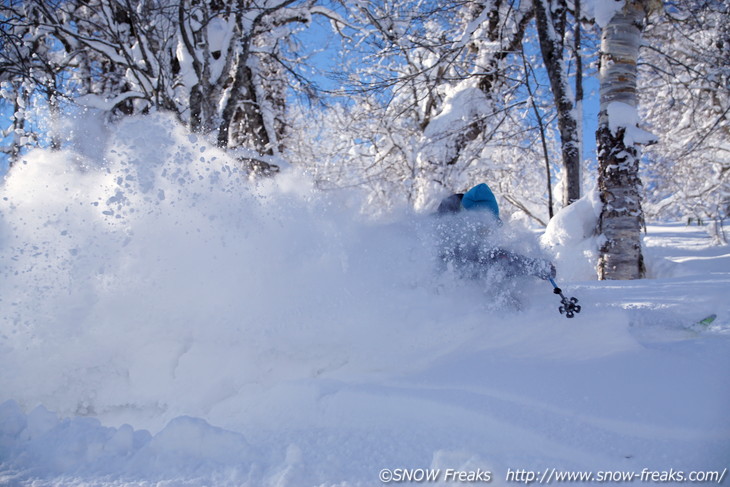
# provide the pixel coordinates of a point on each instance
(44, 445)
(571, 238)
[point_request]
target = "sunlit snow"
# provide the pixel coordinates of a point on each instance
(167, 321)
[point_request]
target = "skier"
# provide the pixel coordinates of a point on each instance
(468, 225)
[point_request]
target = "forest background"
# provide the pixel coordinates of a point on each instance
(405, 100)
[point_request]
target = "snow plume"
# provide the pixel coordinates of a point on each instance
(137, 276)
(146, 265)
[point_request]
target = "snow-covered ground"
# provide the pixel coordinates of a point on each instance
(164, 322)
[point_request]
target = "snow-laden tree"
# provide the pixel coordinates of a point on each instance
(619, 139)
(474, 101)
(442, 82)
(350, 146)
(551, 20)
(403, 57)
(685, 88)
(221, 67)
(29, 66)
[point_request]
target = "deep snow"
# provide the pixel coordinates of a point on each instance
(164, 321)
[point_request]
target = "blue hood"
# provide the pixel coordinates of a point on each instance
(480, 197)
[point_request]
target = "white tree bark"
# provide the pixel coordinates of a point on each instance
(621, 218)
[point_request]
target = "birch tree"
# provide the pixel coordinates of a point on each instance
(619, 139)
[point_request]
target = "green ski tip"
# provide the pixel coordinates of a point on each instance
(708, 320)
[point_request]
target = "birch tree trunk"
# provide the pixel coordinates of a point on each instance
(621, 218)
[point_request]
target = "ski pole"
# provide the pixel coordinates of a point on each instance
(567, 306)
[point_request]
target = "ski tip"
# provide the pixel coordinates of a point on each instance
(707, 320)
